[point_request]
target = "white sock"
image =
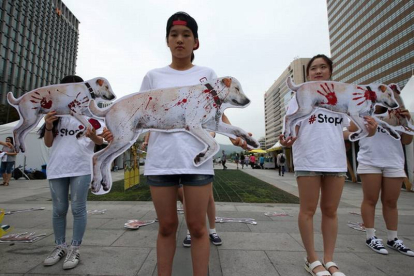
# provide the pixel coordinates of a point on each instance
(391, 235)
(212, 231)
(370, 232)
(188, 232)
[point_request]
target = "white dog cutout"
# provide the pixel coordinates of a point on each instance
(391, 120)
(194, 109)
(356, 101)
(66, 99)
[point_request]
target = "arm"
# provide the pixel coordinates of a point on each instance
(49, 119)
(91, 134)
(9, 145)
(371, 126)
(144, 144)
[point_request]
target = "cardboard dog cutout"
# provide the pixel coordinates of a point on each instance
(356, 101)
(391, 120)
(66, 99)
(194, 109)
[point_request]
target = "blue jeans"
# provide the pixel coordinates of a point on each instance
(59, 189)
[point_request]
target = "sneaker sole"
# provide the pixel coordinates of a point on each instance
(217, 243)
(406, 254)
(186, 245)
(376, 250)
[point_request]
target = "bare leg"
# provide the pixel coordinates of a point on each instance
(180, 195)
(371, 187)
(309, 187)
(211, 210)
(196, 201)
(331, 192)
(165, 202)
(391, 188)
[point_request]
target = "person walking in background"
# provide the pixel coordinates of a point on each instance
(236, 160)
(261, 161)
(281, 162)
(8, 159)
(252, 160)
(223, 159)
(69, 169)
(242, 160)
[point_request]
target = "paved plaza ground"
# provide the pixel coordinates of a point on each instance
(272, 247)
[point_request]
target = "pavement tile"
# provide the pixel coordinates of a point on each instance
(246, 263)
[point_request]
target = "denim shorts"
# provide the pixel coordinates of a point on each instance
(6, 167)
(177, 179)
(311, 173)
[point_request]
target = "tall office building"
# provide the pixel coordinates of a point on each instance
(39, 43)
(372, 40)
(277, 97)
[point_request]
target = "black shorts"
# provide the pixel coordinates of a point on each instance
(177, 179)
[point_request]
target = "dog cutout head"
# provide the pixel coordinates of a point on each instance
(385, 97)
(232, 94)
(102, 90)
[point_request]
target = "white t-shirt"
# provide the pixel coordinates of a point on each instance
(381, 150)
(173, 153)
(320, 144)
(70, 156)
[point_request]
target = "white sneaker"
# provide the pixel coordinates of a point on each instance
(57, 254)
(376, 245)
(72, 259)
(398, 245)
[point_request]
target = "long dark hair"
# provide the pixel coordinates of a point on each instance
(42, 130)
(328, 61)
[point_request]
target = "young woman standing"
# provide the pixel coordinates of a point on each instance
(69, 169)
(170, 155)
(381, 168)
(320, 168)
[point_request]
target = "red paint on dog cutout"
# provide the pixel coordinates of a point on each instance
(45, 103)
(150, 98)
(81, 127)
(328, 94)
(368, 95)
(95, 124)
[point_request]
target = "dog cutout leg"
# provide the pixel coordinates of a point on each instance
(392, 131)
(21, 132)
(83, 121)
(205, 137)
(361, 132)
(293, 119)
(234, 132)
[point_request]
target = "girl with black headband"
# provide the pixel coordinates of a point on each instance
(170, 155)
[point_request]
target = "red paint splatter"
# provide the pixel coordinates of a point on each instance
(206, 91)
(368, 95)
(81, 127)
(184, 100)
(33, 101)
(329, 94)
(45, 103)
(150, 98)
(37, 93)
(36, 98)
(95, 124)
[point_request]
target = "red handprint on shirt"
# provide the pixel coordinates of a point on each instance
(329, 94)
(367, 95)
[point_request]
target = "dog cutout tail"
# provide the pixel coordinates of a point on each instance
(292, 85)
(12, 100)
(96, 111)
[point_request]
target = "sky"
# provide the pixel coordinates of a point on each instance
(253, 41)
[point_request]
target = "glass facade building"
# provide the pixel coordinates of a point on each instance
(39, 43)
(277, 97)
(372, 41)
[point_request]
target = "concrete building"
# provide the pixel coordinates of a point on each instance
(277, 97)
(372, 41)
(39, 43)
